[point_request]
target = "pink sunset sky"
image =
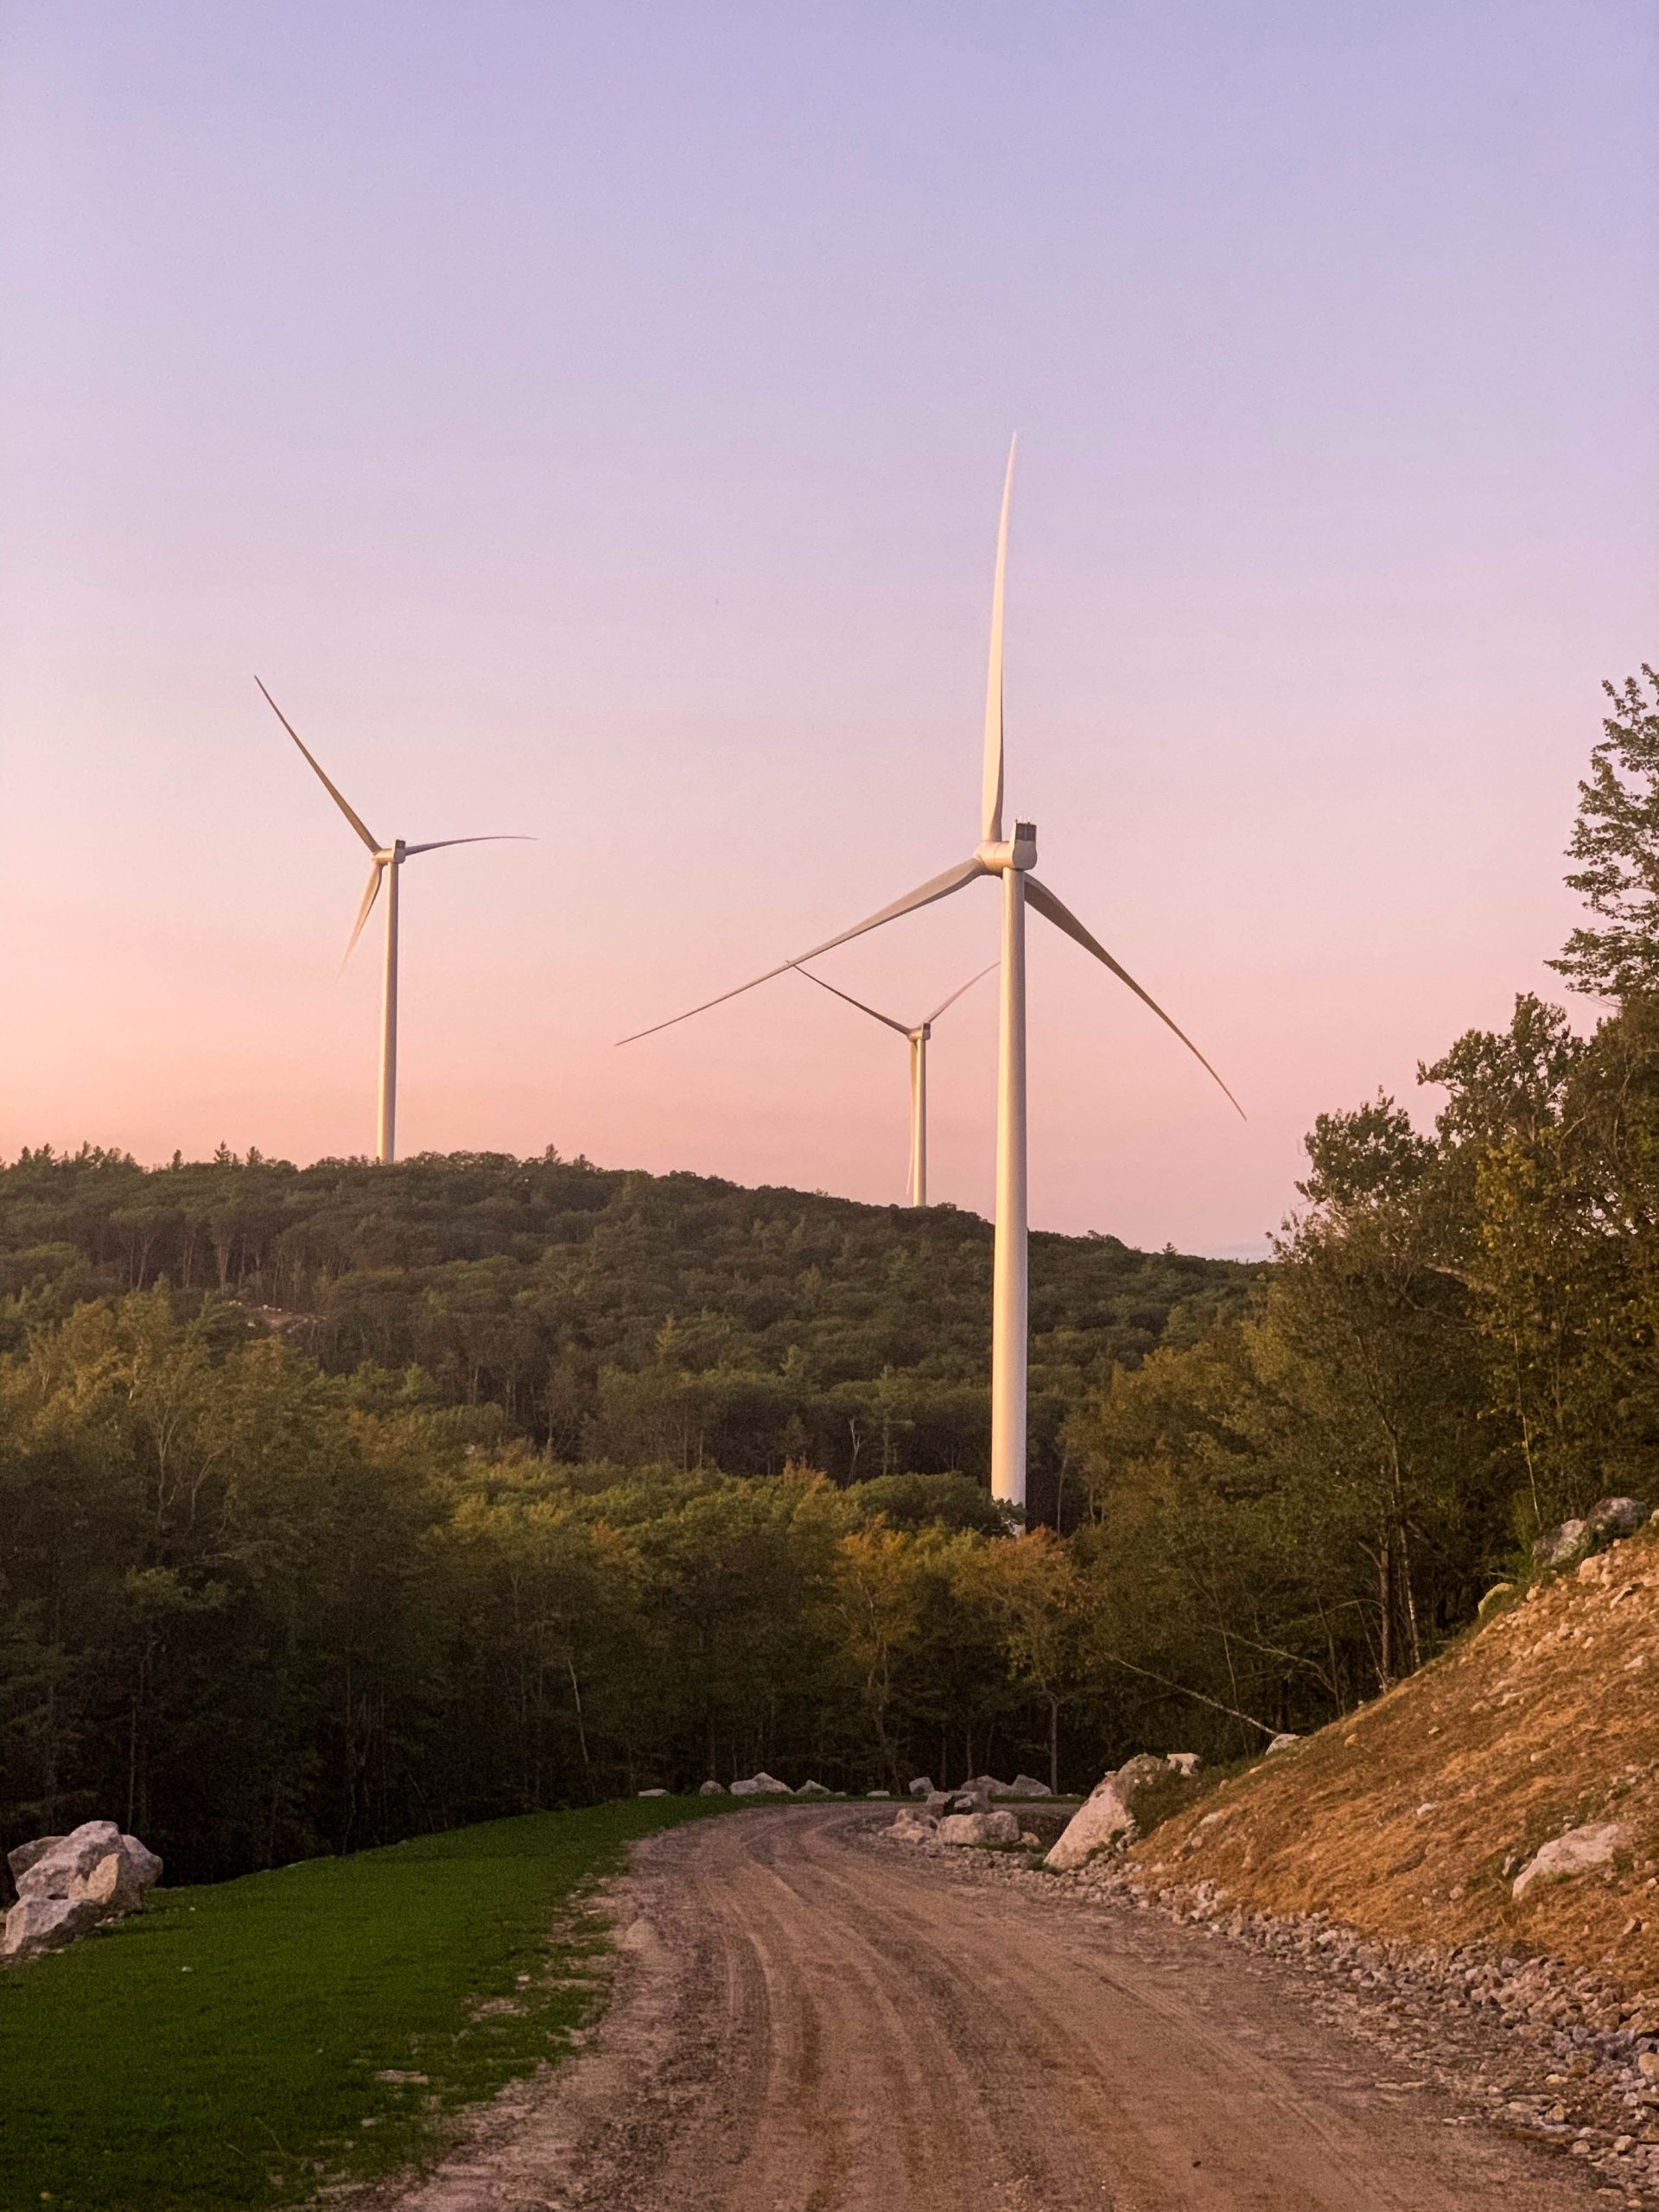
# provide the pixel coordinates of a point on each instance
(589, 420)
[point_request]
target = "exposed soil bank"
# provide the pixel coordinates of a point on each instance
(806, 2020)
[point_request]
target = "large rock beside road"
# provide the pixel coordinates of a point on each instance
(67, 1883)
(762, 1785)
(814, 1790)
(712, 1789)
(1027, 1785)
(979, 1828)
(912, 1827)
(1107, 1817)
(1575, 1852)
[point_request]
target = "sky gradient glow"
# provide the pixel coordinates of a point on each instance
(589, 420)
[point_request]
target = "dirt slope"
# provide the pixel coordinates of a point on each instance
(808, 2019)
(1410, 1818)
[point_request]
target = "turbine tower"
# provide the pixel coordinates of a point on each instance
(387, 861)
(916, 1038)
(1013, 859)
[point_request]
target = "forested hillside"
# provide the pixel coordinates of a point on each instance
(611, 1315)
(414, 1495)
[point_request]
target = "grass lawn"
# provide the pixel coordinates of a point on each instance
(224, 2048)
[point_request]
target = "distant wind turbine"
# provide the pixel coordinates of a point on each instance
(1013, 859)
(388, 861)
(916, 1038)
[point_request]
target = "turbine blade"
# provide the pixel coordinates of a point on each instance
(939, 887)
(1049, 907)
(373, 843)
(991, 797)
(369, 897)
(959, 993)
(851, 1001)
(496, 837)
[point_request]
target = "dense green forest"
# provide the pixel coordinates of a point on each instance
(340, 1502)
(634, 1319)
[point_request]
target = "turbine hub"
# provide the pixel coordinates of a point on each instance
(1019, 852)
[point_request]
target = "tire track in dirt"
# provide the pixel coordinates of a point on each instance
(806, 2020)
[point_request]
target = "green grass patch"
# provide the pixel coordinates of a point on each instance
(222, 2049)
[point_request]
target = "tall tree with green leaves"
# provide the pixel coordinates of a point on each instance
(1616, 841)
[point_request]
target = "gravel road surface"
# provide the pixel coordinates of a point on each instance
(806, 2020)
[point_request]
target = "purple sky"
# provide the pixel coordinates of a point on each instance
(590, 420)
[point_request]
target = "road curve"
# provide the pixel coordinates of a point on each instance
(808, 2020)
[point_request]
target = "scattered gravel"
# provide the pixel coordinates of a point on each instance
(1537, 2049)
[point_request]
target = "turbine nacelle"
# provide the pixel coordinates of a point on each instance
(997, 855)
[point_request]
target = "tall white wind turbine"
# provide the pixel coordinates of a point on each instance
(1011, 859)
(387, 861)
(916, 1038)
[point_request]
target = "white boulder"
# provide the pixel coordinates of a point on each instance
(1186, 1764)
(1283, 1743)
(979, 1828)
(1107, 1816)
(1027, 1785)
(654, 1793)
(67, 1883)
(879, 1793)
(712, 1789)
(814, 1790)
(25, 1855)
(762, 1785)
(922, 1786)
(914, 1828)
(71, 1859)
(1576, 1852)
(37, 1924)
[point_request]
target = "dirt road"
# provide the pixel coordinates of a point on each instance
(806, 2020)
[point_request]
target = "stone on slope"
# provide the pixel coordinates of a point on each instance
(912, 1827)
(72, 1858)
(1186, 1764)
(1611, 1518)
(25, 1855)
(1577, 1851)
(38, 1924)
(114, 1886)
(762, 1785)
(1285, 1741)
(67, 1883)
(979, 1828)
(1106, 1818)
(145, 1864)
(1559, 1545)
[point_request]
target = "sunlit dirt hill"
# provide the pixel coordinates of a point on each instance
(1412, 1818)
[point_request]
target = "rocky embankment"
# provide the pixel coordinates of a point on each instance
(1467, 1870)
(1506, 1797)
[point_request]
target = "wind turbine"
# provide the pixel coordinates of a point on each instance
(1011, 859)
(916, 1038)
(388, 861)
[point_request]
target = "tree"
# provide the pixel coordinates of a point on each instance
(1617, 840)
